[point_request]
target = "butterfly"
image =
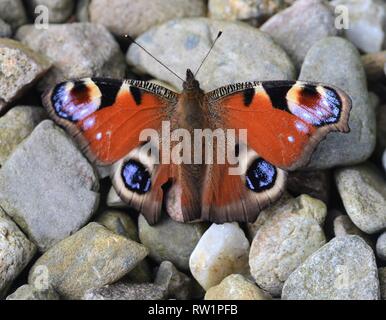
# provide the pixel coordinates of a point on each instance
(285, 121)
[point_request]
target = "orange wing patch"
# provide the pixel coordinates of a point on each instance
(113, 131)
(241, 197)
(106, 117)
(286, 120)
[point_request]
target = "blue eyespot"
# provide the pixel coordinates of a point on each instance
(73, 105)
(58, 98)
(260, 176)
(136, 177)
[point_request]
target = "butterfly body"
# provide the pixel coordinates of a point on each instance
(190, 109)
(284, 122)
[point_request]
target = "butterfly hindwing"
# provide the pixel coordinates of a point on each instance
(241, 196)
(138, 179)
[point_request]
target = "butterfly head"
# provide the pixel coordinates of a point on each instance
(190, 84)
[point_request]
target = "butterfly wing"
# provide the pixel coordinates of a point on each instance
(285, 121)
(106, 117)
(229, 197)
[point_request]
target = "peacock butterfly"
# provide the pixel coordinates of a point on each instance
(285, 121)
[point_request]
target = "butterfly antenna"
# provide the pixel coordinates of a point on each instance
(207, 55)
(160, 62)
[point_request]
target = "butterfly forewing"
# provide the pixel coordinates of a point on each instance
(285, 120)
(107, 116)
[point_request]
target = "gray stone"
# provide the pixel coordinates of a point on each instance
(366, 20)
(143, 14)
(169, 240)
(363, 191)
(5, 29)
(267, 214)
(177, 284)
(343, 226)
(308, 207)
(91, 258)
(28, 292)
(20, 68)
(12, 12)
(336, 61)
(381, 246)
(280, 246)
(48, 187)
(297, 33)
(114, 200)
(221, 251)
(384, 160)
(120, 223)
(142, 273)
(314, 183)
(236, 287)
(381, 127)
(82, 13)
(82, 43)
(59, 10)
(374, 99)
(16, 251)
(251, 11)
(103, 171)
(17, 125)
(343, 269)
(332, 214)
(243, 53)
(382, 282)
(126, 291)
(303, 205)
